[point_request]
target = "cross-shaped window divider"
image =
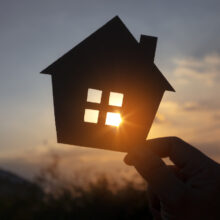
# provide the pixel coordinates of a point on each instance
(103, 108)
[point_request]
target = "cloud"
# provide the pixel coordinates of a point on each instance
(69, 161)
(195, 121)
(191, 106)
(160, 118)
(201, 105)
(204, 70)
(216, 117)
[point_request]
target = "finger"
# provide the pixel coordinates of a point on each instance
(180, 152)
(162, 180)
(177, 172)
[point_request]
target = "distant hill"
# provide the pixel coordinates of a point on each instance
(11, 185)
(15, 186)
(19, 198)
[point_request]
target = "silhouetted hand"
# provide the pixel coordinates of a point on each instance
(190, 189)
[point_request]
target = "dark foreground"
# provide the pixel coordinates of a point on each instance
(21, 199)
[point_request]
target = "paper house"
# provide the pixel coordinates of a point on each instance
(107, 89)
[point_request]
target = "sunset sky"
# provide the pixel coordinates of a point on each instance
(35, 33)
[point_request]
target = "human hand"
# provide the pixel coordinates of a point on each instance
(190, 189)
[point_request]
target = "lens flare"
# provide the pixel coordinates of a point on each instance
(113, 119)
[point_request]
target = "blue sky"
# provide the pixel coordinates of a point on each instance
(35, 33)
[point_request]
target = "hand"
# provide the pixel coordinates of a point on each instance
(190, 189)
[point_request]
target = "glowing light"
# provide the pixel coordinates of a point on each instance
(94, 95)
(91, 116)
(116, 99)
(113, 119)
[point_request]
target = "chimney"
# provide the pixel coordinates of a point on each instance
(148, 44)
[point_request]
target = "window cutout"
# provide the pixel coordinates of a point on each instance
(116, 99)
(94, 96)
(113, 119)
(91, 116)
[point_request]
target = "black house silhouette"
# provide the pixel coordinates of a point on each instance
(109, 62)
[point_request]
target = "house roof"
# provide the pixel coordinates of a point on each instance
(114, 33)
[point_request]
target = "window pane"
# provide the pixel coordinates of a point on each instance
(113, 119)
(91, 116)
(116, 99)
(94, 96)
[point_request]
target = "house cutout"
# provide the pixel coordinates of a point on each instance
(107, 89)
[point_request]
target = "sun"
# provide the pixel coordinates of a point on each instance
(113, 119)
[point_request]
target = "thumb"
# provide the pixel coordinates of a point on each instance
(158, 175)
